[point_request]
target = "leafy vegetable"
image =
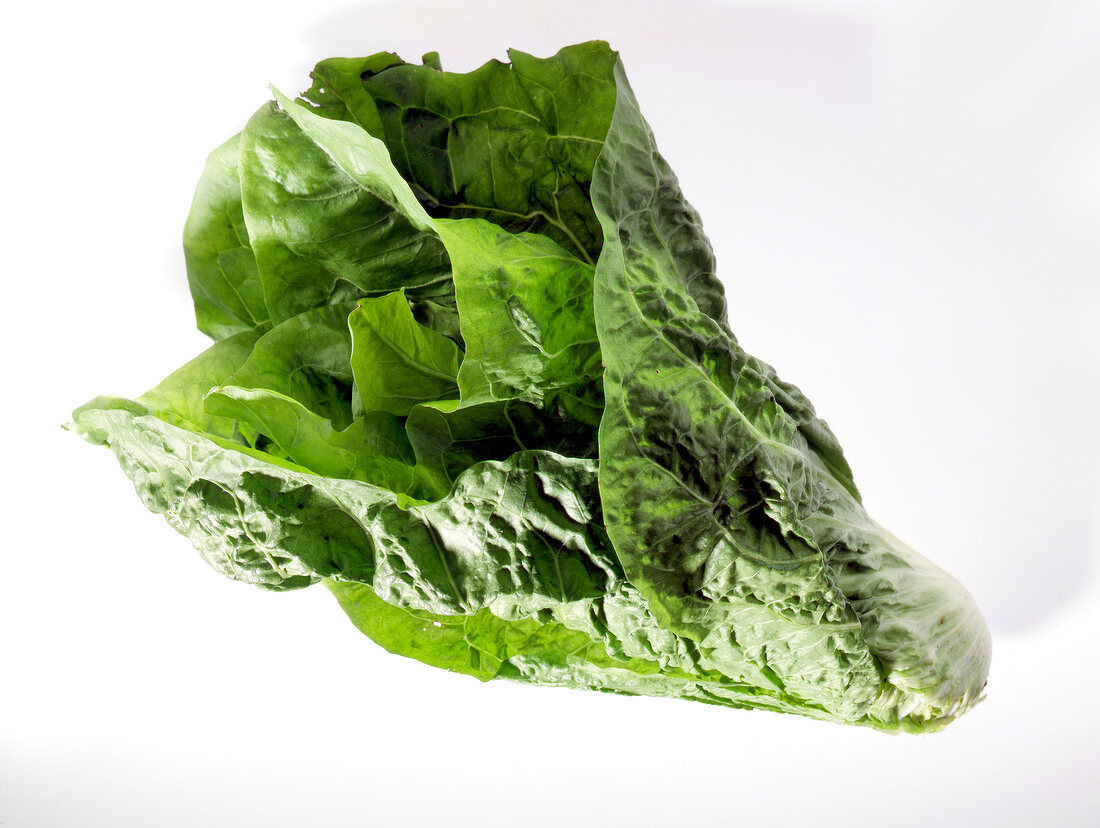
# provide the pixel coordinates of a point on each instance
(472, 370)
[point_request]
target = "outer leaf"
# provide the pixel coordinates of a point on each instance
(221, 268)
(280, 528)
(477, 645)
(720, 510)
(556, 619)
(178, 398)
(397, 362)
(487, 647)
(327, 219)
(609, 644)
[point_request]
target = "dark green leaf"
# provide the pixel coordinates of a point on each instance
(720, 510)
(448, 438)
(514, 144)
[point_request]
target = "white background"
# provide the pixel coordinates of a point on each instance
(905, 202)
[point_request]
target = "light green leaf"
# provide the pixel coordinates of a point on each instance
(373, 448)
(361, 157)
(325, 227)
(221, 267)
(526, 311)
(397, 362)
(178, 398)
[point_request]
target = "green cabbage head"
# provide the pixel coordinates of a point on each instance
(472, 371)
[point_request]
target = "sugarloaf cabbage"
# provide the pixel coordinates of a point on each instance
(472, 371)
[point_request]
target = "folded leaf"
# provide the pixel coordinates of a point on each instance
(221, 267)
(474, 373)
(306, 358)
(397, 362)
(373, 448)
(514, 144)
(448, 437)
(326, 227)
(743, 553)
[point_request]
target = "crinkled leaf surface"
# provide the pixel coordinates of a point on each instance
(720, 509)
(281, 527)
(513, 143)
(693, 448)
